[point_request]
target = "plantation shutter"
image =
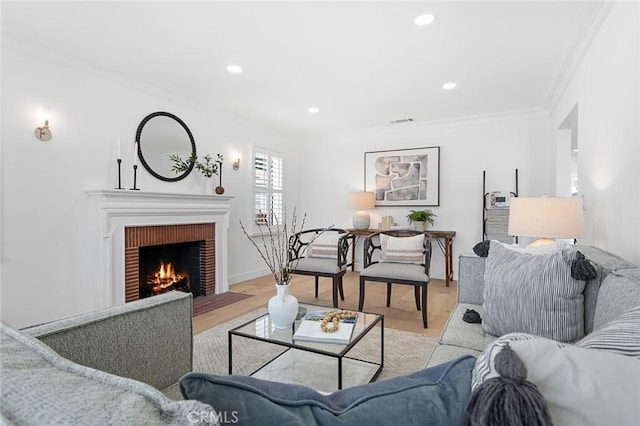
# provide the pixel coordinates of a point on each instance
(268, 187)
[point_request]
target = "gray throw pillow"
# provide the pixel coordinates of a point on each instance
(532, 293)
(621, 336)
(432, 396)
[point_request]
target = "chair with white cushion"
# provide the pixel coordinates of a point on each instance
(398, 257)
(321, 253)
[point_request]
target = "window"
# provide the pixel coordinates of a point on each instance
(268, 187)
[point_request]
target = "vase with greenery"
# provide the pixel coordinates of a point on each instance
(419, 218)
(207, 166)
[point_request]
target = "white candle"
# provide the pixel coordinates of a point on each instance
(119, 157)
(135, 154)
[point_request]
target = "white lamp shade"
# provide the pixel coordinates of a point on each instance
(362, 200)
(546, 217)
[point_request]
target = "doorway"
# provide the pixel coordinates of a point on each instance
(567, 183)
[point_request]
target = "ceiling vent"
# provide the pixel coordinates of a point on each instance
(402, 120)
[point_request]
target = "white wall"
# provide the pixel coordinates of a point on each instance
(334, 166)
(44, 210)
(45, 256)
(606, 88)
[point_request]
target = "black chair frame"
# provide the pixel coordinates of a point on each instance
(297, 247)
(370, 247)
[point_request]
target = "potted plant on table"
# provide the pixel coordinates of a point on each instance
(419, 218)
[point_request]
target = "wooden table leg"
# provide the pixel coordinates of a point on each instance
(448, 258)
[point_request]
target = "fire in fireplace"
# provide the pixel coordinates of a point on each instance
(165, 279)
(169, 267)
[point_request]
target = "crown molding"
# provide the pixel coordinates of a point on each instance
(458, 122)
(148, 87)
(64, 59)
(596, 14)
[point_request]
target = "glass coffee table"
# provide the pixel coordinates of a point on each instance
(325, 367)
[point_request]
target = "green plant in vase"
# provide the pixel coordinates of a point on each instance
(420, 217)
(207, 166)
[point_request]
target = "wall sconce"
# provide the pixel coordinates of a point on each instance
(43, 133)
(236, 164)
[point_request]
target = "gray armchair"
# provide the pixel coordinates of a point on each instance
(392, 259)
(321, 253)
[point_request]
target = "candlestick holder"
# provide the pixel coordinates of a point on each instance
(135, 176)
(119, 160)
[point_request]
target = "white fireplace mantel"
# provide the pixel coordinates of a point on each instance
(113, 210)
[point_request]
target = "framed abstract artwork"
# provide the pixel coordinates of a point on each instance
(404, 177)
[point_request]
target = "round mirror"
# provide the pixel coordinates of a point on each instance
(159, 136)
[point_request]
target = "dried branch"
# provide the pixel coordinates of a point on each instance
(275, 251)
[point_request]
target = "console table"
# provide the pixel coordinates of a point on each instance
(445, 242)
(444, 239)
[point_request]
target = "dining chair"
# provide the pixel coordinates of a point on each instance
(398, 257)
(321, 253)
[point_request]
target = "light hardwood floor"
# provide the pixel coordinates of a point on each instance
(401, 315)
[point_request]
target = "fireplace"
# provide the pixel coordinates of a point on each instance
(170, 257)
(169, 267)
(128, 221)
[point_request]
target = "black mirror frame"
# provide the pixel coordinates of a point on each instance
(141, 157)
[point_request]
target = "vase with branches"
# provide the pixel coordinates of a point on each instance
(273, 246)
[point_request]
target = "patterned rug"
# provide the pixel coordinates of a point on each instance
(404, 352)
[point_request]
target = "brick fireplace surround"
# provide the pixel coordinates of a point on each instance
(145, 236)
(126, 220)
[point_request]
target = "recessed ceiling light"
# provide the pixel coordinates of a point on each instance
(424, 19)
(234, 69)
(402, 120)
(449, 86)
(313, 110)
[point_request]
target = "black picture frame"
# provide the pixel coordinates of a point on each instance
(404, 177)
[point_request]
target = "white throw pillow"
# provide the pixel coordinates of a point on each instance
(402, 249)
(580, 386)
(325, 246)
(484, 368)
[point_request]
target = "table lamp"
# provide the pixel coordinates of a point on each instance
(546, 218)
(361, 201)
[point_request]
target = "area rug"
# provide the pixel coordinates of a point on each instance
(404, 352)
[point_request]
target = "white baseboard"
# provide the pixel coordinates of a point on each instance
(249, 275)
